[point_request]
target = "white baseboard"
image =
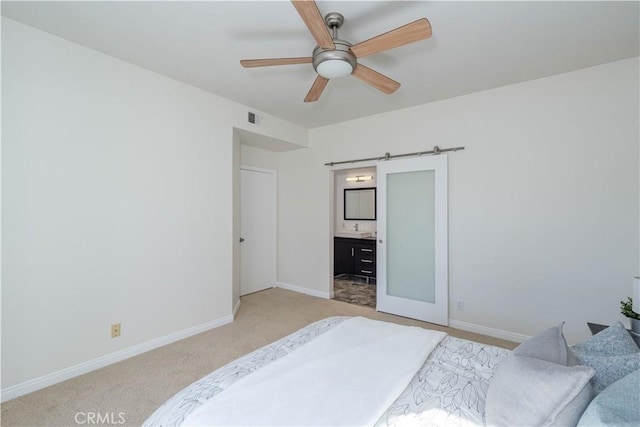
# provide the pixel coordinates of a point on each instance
(302, 290)
(235, 309)
(465, 326)
(108, 359)
(484, 330)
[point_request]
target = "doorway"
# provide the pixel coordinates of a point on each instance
(354, 231)
(257, 229)
(410, 238)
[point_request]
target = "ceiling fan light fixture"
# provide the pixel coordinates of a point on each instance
(334, 63)
(334, 68)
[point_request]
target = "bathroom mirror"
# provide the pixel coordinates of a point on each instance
(360, 203)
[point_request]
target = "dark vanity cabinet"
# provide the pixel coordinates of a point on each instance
(355, 257)
(343, 255)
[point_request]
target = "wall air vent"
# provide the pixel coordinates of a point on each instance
(252, 117)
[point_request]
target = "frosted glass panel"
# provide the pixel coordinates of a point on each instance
(411, 235)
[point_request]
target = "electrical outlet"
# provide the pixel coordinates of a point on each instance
(115, 330)
(460, 305)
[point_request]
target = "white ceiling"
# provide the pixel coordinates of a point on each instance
(475, 46)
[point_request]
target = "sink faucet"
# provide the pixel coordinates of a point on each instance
(355, 226)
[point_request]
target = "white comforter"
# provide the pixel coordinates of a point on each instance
(347, 376)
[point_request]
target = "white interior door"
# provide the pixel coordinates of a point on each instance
(257, 229)
(412, 262)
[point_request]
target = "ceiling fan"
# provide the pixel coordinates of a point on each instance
(333, 57)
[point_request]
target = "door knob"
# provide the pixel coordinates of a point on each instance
(380, 241)
(241, 239)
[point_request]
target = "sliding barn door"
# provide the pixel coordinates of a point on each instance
(412, 279)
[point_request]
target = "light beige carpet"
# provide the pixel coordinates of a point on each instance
(137, 386)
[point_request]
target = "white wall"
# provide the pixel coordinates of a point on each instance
(257, 157)
(543, 202)
(117, 208)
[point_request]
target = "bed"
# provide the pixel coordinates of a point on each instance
(455, 382)
(450, 384)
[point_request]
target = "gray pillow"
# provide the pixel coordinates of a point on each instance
(548, 345)
(570, 415)
(612, 341)
(526, 391)
(534, 386)
(617, 405)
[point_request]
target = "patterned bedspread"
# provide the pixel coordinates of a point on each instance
(449, 389)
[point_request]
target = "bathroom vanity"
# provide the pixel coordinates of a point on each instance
(355, 256)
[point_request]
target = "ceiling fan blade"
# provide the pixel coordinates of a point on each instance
(417, 30)
(375, 79)
(316, 89)
(250, 63)
(314, 21)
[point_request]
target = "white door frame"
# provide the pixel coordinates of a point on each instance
(437, 312)
(271, 254)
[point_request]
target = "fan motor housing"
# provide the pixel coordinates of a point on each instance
(341, 52)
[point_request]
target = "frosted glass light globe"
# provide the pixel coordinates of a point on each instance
(334, 68)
